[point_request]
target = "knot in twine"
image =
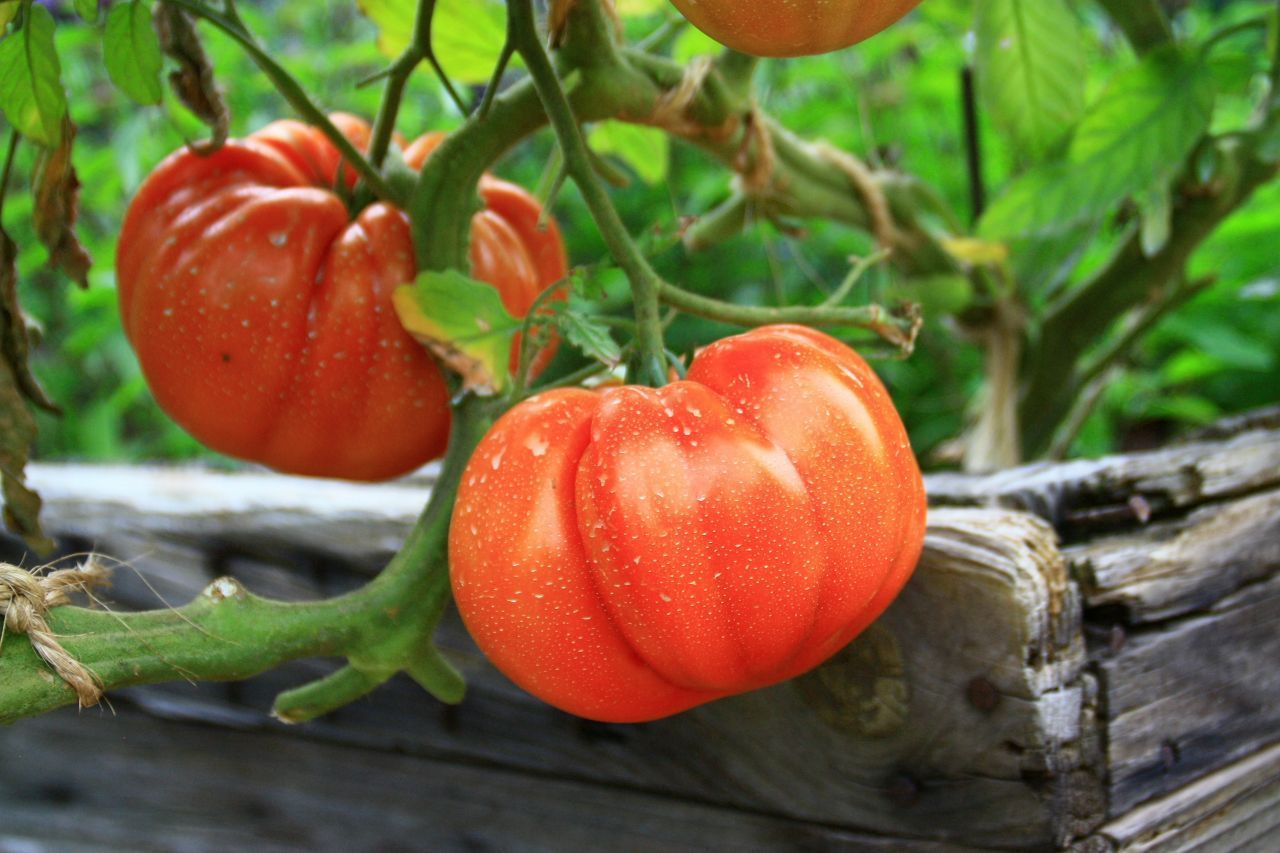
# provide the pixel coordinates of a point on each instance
(25, 598)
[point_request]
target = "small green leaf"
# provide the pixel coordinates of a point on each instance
(464, 323)
(937, 295)
(131, 51)
(1136, 135)
(1156, 212)
(590, 335)
(643, 149)
(87, 9)
(1184, 407)
(1031, 69)
(31, 93)
(467, 35)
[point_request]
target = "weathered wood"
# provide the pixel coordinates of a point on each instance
(868, 741)
(1183, 565)
(1236, 808)
(127, 782)
(1190, 696)
(1123, 491)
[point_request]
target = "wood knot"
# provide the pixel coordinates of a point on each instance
(863, 689)
(25, 599)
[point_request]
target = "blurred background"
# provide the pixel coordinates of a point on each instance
(894, 100)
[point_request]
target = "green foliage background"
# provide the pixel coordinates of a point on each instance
(895, 99)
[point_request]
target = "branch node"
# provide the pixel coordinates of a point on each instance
(25, 599)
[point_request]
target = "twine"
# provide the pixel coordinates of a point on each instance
(671, 109)
(755, 172)
(25, 598)
(864, 181)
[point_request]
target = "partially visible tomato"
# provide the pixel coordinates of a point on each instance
(261, 311)
(792, 27)
(628, 553)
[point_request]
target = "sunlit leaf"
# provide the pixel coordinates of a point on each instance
(31, 93)
(467, 35)
(87, 9)
(1031, 69)
(131, 51)
(1136, 135)
(975, 252)
(464, 323)
(8, 11)
(643, 149)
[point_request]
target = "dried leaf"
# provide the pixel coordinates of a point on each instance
(17, 424)
(193, 82)
(57, 195)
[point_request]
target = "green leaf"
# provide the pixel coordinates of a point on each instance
(467, 35)
(640, 8)
(589, 335)
(31, 93)
(8, 11)
(464, 323)
(1031, 69)
(1184, 407)
(87, 9)
(1137, 135)
(131, 51)
(1156, 211)
(643, 149)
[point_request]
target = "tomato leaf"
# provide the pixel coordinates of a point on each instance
(467, 35)
(31, 93)
(18, 387)
(643, 149)
(464, 323)
(193, 82)
(8, 11)
(591, 336)
(131, 51)
(57, 197)
(1031, 69)
(88, 10)
(1138, 134)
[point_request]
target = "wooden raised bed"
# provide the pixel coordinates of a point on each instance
(1087, 656)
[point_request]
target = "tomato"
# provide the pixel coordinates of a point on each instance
(261, 314)
(627, 553)
(792, 27)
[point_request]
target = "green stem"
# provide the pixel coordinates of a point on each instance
(649, 358)
(10, 154)
(292, 92)
(900, 331)
(229, 634)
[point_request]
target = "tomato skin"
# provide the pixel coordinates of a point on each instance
(628, 553)
(261, 312)
(792, 27)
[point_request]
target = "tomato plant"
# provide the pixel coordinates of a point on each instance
(628, 553)
(260, 308)
(792, 27)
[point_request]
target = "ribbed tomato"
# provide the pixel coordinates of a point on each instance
(628, 553)
(261, 310)
(792, 27)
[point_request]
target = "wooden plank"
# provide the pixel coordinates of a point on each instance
(963, 715)
(129, 782)
(1184, 565)
(1236, 808)
(1185, 698)
(1122, 491)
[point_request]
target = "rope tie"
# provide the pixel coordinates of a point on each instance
(25, 598)
(756, 158)
(864, 182)
(671, 110)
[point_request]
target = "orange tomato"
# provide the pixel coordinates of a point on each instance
(261, 314)
(627, 553)
(792, 27)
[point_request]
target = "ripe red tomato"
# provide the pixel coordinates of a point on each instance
(628, 553)
(792, 27)
(261, 310)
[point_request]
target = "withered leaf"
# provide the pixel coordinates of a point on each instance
(57, 196)
(193, 82)
(17, 425)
